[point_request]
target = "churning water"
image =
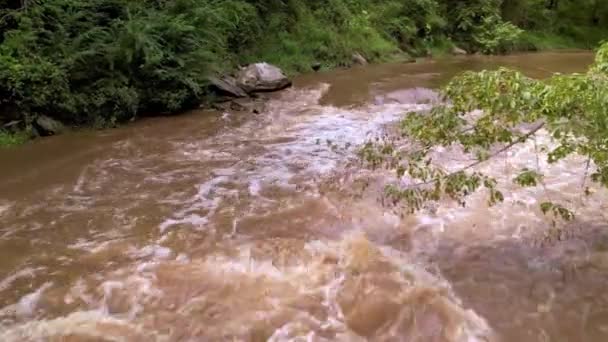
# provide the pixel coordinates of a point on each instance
(241, 227)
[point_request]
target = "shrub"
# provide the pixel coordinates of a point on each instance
(495, 35)
(90, 61)
(105, 61)
(571, 108)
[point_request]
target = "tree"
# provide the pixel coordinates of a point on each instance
(97, 62)
(483, 114)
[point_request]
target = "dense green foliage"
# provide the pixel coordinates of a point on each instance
(11, 139)
(573, 109)
(98, 62)
(92, 61)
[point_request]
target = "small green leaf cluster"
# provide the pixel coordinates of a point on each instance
(528, 177)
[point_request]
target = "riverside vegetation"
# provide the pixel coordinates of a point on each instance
(486, 114)
(101, 62)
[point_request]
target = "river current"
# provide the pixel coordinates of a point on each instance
(233, 226)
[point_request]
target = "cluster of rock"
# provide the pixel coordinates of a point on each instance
(239, 92)
(41, 125)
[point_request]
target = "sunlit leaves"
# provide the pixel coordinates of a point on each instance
(486, 113)
(528, 178)
(560, 152)
(495, 35)
(557, 211)
(601, 60)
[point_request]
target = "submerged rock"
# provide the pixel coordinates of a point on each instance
(260, 77)
(226, 86)
(358, 59)
(48, 126)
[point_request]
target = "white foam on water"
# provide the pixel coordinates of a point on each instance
(82, 178)
(356, 254)
(308, 140)
(79, 291)
(91, 246)
(255, 187)
(182, 258)
(353, 254)
(207, 199)
(197, 221)
(562, 184)
(318, 141)
(155, 252)
(26, 307)
(26, 272)
(85, 324)
(5, 206)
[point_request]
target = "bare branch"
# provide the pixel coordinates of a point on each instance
(586, 175)
(521, 139)
(505, 148)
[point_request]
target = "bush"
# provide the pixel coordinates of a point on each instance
(99, 62)
(411, 24)
(91, 61)
(570, 108)
(495, 35)
(11, 139)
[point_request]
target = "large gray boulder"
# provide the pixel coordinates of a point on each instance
(226, 86)
(48, 126)
(260, 77)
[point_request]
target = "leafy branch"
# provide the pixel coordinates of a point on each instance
(487, 109)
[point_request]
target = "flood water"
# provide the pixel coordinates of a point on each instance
(232, 226)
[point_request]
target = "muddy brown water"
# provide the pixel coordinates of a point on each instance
(232, 226)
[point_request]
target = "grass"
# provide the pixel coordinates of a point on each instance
(545, 41)
(314, 39)
(441, 47)
(572, 38)
(296, 52)
(11, 139)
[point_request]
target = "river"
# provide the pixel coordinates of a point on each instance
(234, 226)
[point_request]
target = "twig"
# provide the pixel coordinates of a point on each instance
(542, 180)
(520, 140)
(478, 162)
(587, 165)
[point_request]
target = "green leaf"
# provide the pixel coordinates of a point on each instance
(545, 207)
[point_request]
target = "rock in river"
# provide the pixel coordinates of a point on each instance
(48, 126)
(261, 77)
(226, 86)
